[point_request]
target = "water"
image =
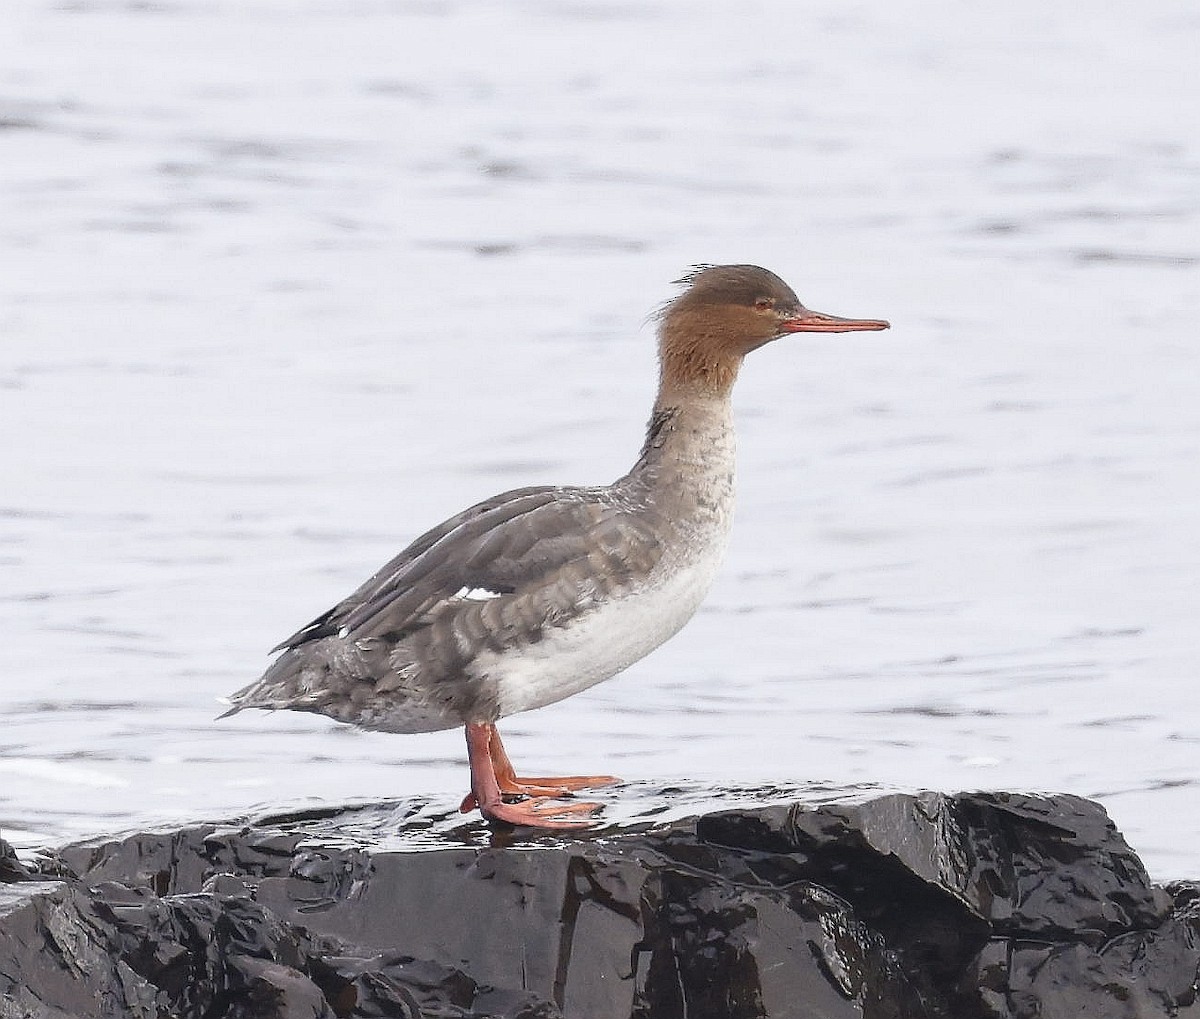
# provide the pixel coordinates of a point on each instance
(285, 283)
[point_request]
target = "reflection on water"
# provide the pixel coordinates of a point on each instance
(271, 310)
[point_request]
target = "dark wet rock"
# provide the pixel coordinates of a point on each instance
(802, 902)
(11, 869)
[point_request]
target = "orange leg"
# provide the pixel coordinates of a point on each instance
(493, 778)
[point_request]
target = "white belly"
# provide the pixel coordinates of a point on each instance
(601, 643)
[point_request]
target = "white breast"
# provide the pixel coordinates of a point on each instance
(602, 642)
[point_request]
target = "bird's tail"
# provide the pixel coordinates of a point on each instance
(281, 686)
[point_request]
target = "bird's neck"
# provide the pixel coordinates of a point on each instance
(688, 456)
(689, 440)
(696, 362)
(686, 466)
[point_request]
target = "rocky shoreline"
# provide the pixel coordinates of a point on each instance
(787, 903)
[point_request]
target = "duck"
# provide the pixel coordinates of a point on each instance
(539, 593)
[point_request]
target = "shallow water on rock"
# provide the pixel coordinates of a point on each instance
(284, 284)
(424, 823)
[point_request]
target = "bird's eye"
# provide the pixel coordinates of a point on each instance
(764, 304)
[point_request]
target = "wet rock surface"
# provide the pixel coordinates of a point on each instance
(787, 903)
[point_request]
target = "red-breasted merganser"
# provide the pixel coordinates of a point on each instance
(539, 593)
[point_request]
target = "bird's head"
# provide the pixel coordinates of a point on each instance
(725, 312)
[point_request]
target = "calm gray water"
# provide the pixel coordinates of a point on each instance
(284, 282)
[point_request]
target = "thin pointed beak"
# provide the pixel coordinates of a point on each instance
(807, 321)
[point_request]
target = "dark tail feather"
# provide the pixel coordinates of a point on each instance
(276, 689)
(233, 709)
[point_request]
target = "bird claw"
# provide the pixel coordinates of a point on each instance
(501, 795)
(543, 788)
(543, 812)
(568, 783)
